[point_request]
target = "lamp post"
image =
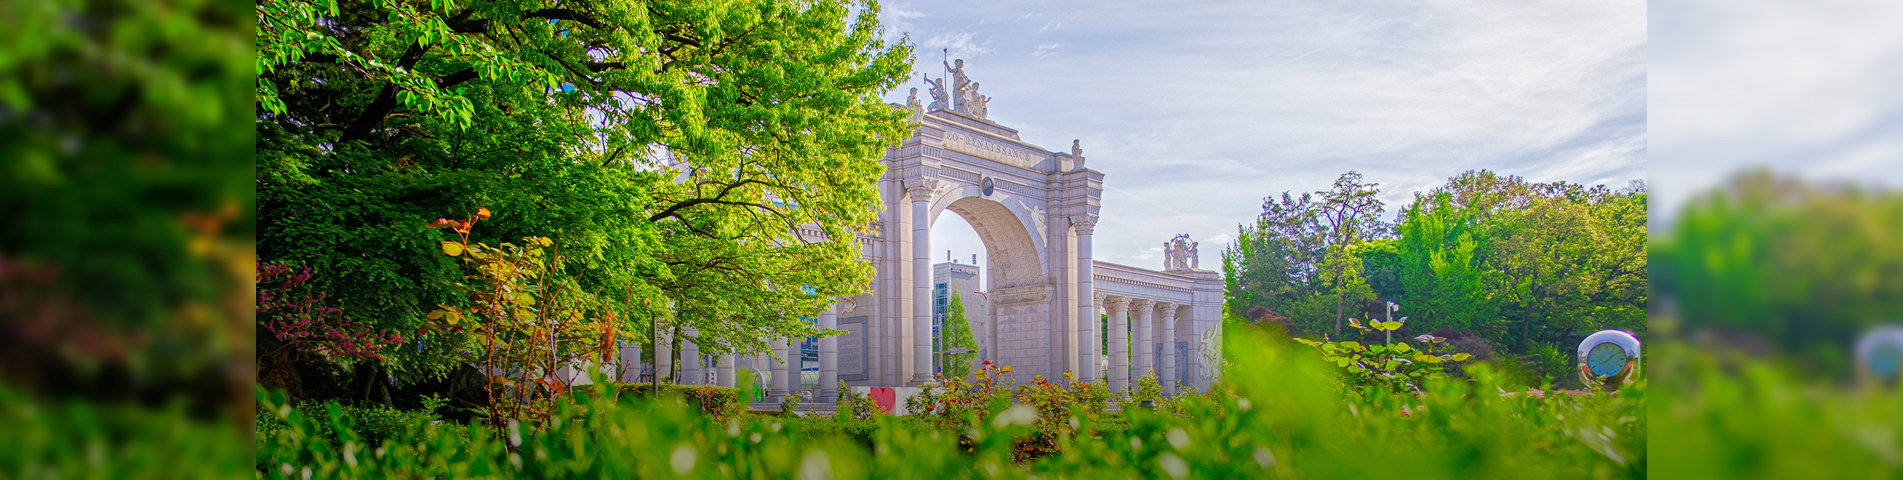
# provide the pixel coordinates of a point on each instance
(1392, 307)
(954, 351)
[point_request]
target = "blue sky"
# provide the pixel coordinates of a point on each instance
(1195, 112)
(1806, 88)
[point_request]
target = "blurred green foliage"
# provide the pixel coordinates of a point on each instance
(1778, 263)
(125, 175)
(1277, 415)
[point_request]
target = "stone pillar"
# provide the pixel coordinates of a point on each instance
(1119, 348)
(663, 355)
(1142, 342)
(829, 356)
(921, 283)
(777, 370)
(690, 358)
(792, 365)
(629, 369)
(1167, 367)
(724, 372)
(1087, 344)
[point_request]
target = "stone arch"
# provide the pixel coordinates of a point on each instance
(1013, 254)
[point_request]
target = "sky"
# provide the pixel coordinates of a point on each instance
(1801, 88)
(1196, 112)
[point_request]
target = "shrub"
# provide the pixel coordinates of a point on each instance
(713, 401)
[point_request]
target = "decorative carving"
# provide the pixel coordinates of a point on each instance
(1179, 254)
(975, 102)
(1195, 260)
(1077, 152)
(1086, 224)
(920, 187)
(1037, 219)
(940, 97)
(1211, 351)
(912, 105)
(959, 83)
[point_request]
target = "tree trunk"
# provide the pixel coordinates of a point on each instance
(1338, 309)
(1526, 323)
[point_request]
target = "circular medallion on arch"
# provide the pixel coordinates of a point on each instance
(987, 186)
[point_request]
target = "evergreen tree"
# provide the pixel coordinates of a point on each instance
(957, 334)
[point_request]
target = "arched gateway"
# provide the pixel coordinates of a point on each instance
(1035, 211)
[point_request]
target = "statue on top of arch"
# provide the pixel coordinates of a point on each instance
(1180, 254)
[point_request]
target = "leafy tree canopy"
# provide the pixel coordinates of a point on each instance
(701, 163)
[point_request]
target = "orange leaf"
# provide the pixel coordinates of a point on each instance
(452, 248)
(482, 213)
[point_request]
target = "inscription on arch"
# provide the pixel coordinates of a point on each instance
(983, 148)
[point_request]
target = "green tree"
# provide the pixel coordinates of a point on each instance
(703, 164)
(1350, 214)
(957, 334)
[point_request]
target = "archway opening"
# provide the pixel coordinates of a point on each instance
(985, 246)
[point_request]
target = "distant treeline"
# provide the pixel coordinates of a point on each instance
(1529, 267)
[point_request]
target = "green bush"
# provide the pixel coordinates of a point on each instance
(81, 439)
(713, 401)
(1277, 414)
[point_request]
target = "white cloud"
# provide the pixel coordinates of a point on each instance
(959, 44)
(1046, 50)
(1196, 112)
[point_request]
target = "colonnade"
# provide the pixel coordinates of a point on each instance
(782, 366)
(1141, 324)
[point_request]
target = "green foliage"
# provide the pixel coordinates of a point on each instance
(1523, 265)
(1395, 367)
(669, 150)
(126, 181)
(713, 401)
(81, 439)
(1276, 415)
(957, 333)
(1804, 267)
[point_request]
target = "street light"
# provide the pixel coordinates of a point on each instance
(954, 351)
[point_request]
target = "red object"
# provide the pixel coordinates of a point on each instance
(885, 398)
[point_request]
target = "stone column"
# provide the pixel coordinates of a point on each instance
(777, 370)
(792, 366)
(1167, 367)
(1086, 308)
(690, 358)
(663, 355)
(724, 374)
(629, 370)
(829, 354)
(1142, 342)
(1119, 338)
(921, 282)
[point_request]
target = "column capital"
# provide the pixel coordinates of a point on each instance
(1098, 298)
(921, 186)
(1168, 308)
(1085, 223)
(1115, 301)
(1141, 303)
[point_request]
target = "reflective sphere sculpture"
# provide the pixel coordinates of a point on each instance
(1609, 359)
(1880, 354)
